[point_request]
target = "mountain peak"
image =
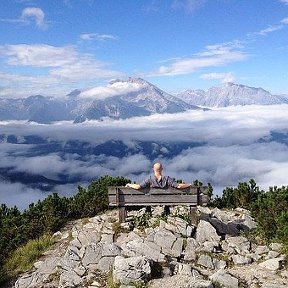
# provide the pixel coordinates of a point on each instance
(231, 94)
(229, 84)
(74, 93)
(241, 86)
(130, 80)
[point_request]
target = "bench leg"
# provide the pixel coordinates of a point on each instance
(166, 211)
(194, 218)
(122, 214)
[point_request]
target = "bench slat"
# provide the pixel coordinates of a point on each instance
(140, 200)
(156, 199)
(130, 191)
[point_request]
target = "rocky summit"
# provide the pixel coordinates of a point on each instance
(169, 252)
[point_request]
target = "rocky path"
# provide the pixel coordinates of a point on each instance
(94, 252)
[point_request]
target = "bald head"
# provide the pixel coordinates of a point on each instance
(157, 167)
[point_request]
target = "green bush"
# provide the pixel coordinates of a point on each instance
(93, 200)
(240, 196)
(269, 209)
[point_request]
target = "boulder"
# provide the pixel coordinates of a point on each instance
(273, 264)
(239, 244)
(93, 254)
(206, 232)
(69, 279)
(133, 269)
(241, 260)
(179, 226)
(225, 279)
(276, 247)
(142, 247)
(164, 238)
(206, 261)
(259, 250)
(190, 249)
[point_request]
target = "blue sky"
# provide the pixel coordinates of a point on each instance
(52, 47)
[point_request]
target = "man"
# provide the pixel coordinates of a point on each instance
(158, 180)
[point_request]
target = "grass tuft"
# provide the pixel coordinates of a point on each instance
(24, 257)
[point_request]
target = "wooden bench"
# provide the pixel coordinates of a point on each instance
(123, 197)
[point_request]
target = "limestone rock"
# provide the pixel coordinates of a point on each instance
(145, 248)
(206, 232)
(241, 260)
(229, 223)
(190, 250)
(186, 269)
(93, 254)
(131, 269)
(273, 264)
(224, 278)
(276, 247)
(179, 226)
(261, 250)
(239, 244)
(164, 238)
(206, 261)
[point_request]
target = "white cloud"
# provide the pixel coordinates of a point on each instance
(187, 5)
(225, 126)
(118, 88)
(85, 68)
(224, 77)
(97, 37)
(20, 195)
(18, 86)
(30, 15)
(70, 3)
(284, 1)
(36, 14)
(270, 29)
(213, 56)
(39, 55)
(285, 20)
(59, 65)
(273, 28)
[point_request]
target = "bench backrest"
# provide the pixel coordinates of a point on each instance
(125, 196)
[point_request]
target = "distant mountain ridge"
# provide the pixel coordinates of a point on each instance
(143, 100)
(123, 99)
(231, 94)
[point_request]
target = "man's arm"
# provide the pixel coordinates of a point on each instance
(183, 185)
(173, 183)
(144, 184)
(134, 186)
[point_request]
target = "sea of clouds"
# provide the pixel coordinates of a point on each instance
(236, 146)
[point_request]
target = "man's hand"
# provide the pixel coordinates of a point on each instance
(183, 185)
(134, 186)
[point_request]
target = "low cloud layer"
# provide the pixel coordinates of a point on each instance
(235, 144)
